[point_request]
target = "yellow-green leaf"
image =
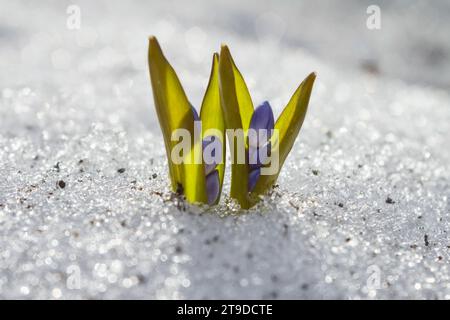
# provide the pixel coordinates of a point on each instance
(237, 108)
(211, 114)
(174, 112)
(194, 176)
(235, 92)
(288, 125)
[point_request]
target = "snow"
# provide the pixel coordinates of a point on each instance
(362, 206)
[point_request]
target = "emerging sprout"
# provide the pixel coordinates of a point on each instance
(247, 180)
(226, 105)
(200, 182)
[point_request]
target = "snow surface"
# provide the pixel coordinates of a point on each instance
(362, 204)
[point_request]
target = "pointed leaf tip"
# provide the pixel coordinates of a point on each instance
(174, 112)
(289, 124)
(223, 48)
(211, 115)
(237, 109)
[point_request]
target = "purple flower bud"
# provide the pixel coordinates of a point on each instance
(207, 141)
(258, 157)
(253, 178)
(212, 186)
(259, 147)
(262, 119)
(209, 168)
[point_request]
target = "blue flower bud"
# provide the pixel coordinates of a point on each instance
(212, 186)
(258, 157)
(259, 149)
(262, 119)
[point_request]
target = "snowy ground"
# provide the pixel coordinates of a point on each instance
(362, 209)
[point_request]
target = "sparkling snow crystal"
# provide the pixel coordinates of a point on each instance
(360, 210)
